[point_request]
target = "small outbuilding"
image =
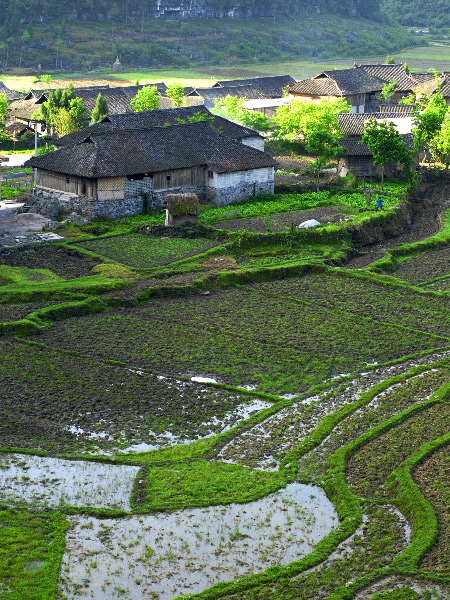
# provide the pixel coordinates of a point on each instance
(181, 209)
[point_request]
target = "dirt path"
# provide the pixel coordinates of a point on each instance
(426, 222)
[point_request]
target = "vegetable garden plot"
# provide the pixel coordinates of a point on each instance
(188, 551)
(140, 251)
(64, 263)
(240, 337)
(67, 403)
(369, 298)
(13, 312)
(425, 266)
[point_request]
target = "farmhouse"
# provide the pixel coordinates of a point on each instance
(163, 118)
(117, 173)
(359, 158)
(352, 124)
(404, 83)
(357, 86)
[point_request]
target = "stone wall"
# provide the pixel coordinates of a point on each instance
(225, 188)
(159, 195)
(54, 204)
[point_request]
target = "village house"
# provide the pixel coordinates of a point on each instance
(405, 84)
(359, 88)
(359, 158)
(124, 172)
(163, 118)
(352, 124)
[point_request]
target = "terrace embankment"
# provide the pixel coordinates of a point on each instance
(416, 219)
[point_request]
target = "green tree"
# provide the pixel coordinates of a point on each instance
(175, 92)
(100, 110)
(3, 108)
(428, 123)
(388, 90)
(325, 146)
(59, 102)
(443, 140)
(231, 107)
(386, 145)
(300, 119)
(146, 99)
(389, 60)
(25, 38)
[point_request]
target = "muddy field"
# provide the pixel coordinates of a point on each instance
(246, 442)
(65, 263)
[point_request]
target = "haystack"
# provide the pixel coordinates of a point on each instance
(181, 209)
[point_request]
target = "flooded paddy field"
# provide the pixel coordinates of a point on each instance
(188, 551)
(52, 482)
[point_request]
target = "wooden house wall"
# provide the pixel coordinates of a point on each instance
(192, 177)
(111, 188)
(70, 184)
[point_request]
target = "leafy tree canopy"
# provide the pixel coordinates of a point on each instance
(146, 99)
(100, 110)
(175, 92)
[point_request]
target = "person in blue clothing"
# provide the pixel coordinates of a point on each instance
(379, 204)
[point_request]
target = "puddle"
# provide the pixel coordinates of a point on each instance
(45, 481)
(213, 426)
(188, 551)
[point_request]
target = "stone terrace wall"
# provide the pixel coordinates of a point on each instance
(53, 204)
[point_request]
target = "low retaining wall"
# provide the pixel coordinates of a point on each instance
(54, 204)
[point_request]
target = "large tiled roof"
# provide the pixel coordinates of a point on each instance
(15, 130)
(269, 87)
(132, 152)
(354, 123)
(116, 99)
(241, 91)
(387, 73)
(10, 94)
(23, 109)
(156, 118)
(401, 110)
(355, 147)
(341, 82)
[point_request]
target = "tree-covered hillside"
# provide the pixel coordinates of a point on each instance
(147, 33)
(431, 13)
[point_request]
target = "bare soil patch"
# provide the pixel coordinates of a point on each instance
(65, 263)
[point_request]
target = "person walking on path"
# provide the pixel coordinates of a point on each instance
(379, 204)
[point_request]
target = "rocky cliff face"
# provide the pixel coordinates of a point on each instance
(184, 9)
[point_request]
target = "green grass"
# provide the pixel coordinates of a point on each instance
(137, 250)
(31, 546)
(204, 483)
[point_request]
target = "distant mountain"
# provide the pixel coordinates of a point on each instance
(427, 13)
(89, 34)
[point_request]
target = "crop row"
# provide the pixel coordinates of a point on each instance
(373, 297)
(240, 336)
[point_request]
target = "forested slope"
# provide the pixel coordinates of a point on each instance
(150, 33)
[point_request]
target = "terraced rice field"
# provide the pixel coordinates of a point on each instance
(278, 431)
